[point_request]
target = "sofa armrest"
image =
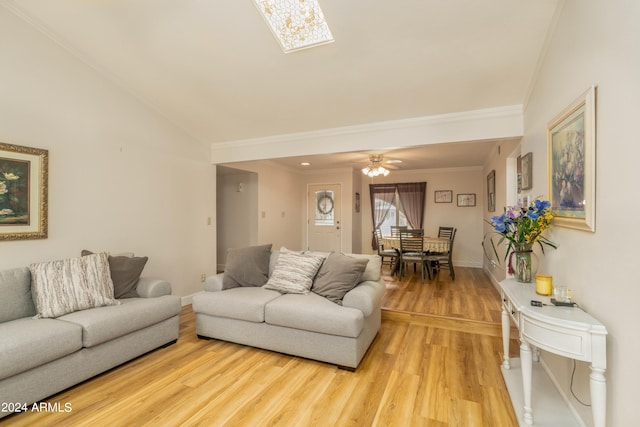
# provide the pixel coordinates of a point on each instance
(213, 283)
(151, 288)
(366, 297)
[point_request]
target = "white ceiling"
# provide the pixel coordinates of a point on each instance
(214, 69)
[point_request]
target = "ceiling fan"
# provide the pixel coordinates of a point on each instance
(377, 166)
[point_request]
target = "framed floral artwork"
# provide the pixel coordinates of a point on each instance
(571, 138)
(23, 192)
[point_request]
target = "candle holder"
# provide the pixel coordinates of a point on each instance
(544, 284)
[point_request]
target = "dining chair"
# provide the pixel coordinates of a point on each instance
(412, 251)
(392, 254)
(396, 229)
(445, 232)
(442, 261)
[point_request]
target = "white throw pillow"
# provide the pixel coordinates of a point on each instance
(68, 285)
(294, 272)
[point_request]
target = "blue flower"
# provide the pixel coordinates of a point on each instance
(533, 214)
(541, 204)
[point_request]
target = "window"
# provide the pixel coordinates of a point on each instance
(324, 214)
(397, 204)
(395, 214)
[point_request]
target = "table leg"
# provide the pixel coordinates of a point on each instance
(526, 360)
(598, 386)
(506, 332)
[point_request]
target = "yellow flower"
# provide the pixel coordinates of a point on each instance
(10, 176)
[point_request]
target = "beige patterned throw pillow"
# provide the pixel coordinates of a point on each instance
(294, 272)
(68, 285)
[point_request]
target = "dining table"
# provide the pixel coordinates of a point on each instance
(431, 244)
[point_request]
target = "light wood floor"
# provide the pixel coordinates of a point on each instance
(414, 374)
(470, 296)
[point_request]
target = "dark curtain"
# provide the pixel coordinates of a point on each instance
(412, 196)
(385, 193)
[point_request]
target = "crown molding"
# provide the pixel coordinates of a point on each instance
(489, 123)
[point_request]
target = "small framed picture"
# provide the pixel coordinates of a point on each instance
(467, 200)
(443, 196)
(491, 191)
(527, 172)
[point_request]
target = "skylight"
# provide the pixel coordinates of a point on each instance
(296, 24)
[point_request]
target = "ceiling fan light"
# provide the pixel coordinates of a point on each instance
(375, 167)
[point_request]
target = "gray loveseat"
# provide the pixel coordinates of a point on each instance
(306, 325)
(43, 356)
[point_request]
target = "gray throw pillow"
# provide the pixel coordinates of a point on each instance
(246, 267)
(338, 275)
(125, 274)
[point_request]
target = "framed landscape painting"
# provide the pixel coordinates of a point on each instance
(23, 192)
(572, 148)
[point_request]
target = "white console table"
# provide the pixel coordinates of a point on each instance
(566, 331)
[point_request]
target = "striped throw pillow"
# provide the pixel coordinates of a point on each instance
(68, 285)
(294, 272)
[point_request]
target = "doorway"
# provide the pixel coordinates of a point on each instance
(324, 232)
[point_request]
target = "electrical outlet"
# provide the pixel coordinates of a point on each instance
(203, 277)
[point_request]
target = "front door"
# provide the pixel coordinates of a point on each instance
(323, 213)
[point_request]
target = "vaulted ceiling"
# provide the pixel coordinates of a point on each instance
(214, 69)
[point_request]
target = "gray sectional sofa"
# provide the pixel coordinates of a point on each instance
(43, 356)
(333, 330)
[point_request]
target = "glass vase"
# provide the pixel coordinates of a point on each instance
(523, 263)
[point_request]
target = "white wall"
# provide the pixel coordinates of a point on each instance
(121, 177)
(497, 163)
(237, 204)
(279, 208)
(596, 42)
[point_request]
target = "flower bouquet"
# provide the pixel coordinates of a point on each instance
(521, 227)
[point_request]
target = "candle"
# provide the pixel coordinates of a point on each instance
(544, 284)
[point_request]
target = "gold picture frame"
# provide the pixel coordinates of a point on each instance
(24, 175)
(571, 138)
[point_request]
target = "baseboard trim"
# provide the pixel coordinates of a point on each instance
(188, 299)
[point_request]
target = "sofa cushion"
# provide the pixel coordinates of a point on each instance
(372, 272)
(125, 273)
(246, 303)
(27, 343)
(68, 285)
(312, 312)
(246, 266)
(294, 272)
(103, 324)
(338, 275)
(15, 291)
